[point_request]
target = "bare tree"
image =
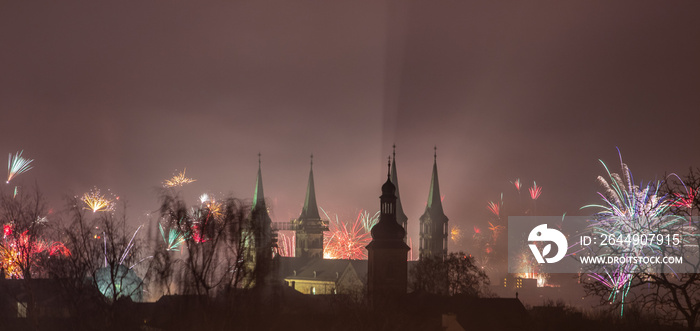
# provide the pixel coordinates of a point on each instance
(100, 270)
(454, 274)
(23, 219)
(215, 245)
(670, 296)
(676, 296)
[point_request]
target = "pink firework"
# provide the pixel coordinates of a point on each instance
(285, 244)
(535, 191)
(517, 184)
(197, 234)
(494, 208)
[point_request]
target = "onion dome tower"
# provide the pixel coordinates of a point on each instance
(387, 275)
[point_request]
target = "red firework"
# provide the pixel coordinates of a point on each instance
(535, 191)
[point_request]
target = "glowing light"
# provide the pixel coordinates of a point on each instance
(204, 198)
(535, 191)
(455, 233)
(178, 180)
(17, 165)
(95, 201)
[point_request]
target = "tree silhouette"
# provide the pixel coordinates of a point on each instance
(455, 274)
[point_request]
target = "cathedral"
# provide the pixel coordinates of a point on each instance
(385, 271)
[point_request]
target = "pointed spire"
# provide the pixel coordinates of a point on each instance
(310, 210)
(400, 215)
(259, 196)
(388, 168)
(434, 199)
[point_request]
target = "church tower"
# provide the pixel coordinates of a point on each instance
(260, 233)
(386, 274)
(433, 223)
(308, 226)
(400, 215)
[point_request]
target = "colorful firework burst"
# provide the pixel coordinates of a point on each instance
(178, 180)
(16, 249)
(95, 201)
(629, 210)
(346, 241)
(214, 208)
(17, 165)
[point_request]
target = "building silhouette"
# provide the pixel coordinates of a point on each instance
(433, 222)
(309, 226)
(387, 265)
(385, 273)
(260, 234)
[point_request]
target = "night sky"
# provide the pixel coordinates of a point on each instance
(119, 95)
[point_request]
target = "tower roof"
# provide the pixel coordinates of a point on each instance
(259, 196)
(434, 198)
(310, 210)
(387, 228)
(400, 215)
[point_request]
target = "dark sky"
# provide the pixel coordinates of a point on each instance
(119, 95)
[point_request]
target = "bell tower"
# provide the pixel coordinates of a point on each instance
(308, 226)
(387, 275)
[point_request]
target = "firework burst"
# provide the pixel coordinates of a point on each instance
(95, 201)
(17, 165)
(629, 210)
(173, 239)
(685, 200)
(285, 244)
(19, 248)
(496, 230)
(517, 184)
(535, 191)
(494, 208)
(346, 241)
(369, 221)
(178, 180)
